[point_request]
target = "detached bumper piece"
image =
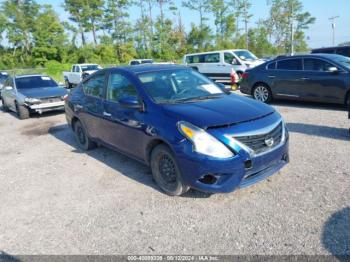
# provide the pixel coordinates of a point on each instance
(45, 107)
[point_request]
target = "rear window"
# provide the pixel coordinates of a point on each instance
(35, 82)
(290, 64)
(324, 51)
(345, 51)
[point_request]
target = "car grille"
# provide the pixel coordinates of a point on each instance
(258, 142)
(51, 99)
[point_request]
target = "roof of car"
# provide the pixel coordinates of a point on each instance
(329, 56)
(331, 47)
(29, 75)
(216, 51)
(145, 68)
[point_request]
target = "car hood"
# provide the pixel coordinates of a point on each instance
(228, 110)
(44, 92)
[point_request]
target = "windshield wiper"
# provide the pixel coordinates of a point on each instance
(200, 98)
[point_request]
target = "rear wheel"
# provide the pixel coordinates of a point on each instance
(82, 138)
(262, 93)
(22, 111)
(166, 171)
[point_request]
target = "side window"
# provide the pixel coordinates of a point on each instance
(119, 87)
(228, 58)
(134, 62)
(94, 86)
(311, 64)
(290, 64)
(212, 58)
(271, 66)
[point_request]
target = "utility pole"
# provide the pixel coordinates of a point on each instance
(292, 29)
(246, 25)
(332, 19)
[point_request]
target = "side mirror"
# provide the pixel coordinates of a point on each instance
(8, 88)
(333, 70)
(224, 88)
(130, 102)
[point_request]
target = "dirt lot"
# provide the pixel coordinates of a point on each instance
(56, 199)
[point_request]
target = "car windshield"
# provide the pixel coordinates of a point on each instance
(343, 60)
(35, 82)
(245, 55)
(3, 78)
(90, 67)
(179, 86)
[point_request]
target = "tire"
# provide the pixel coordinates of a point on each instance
(83, 140)
(22, 112)
(68, 85)
(166, 172)
(4, 106)
(262, 93)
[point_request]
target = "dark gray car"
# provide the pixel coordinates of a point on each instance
(32, 93)
(317, 78)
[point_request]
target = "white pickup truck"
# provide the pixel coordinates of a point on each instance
(78, 73)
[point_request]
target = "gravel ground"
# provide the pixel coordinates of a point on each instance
(56, 199)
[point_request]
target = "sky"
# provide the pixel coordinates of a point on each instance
(318, 35)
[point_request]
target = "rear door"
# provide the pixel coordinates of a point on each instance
(287, 78)
(122, 127)
(320, 84)
(91, 109)
(211, 65)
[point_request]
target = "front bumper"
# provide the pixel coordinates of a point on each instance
(245, 168)
(230, 174)
(45, 107)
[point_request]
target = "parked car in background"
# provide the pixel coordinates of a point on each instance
(180, 123)
(3, 77)
(79, 72)
(340, 50)
(317, 78)
(141, 61)
(218, 65)
(25, 94)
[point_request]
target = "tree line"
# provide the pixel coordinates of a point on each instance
(104, 32)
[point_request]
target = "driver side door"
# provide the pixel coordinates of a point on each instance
(122, 127)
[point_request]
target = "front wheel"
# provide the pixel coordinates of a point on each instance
(262, 93)
(68, 85)
(4, 106)
(166, 173)
(22, 112)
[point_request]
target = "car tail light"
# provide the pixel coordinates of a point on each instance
(245, 75)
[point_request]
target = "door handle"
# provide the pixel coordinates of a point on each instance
(305, 78)
(272, 76)
(107, 114)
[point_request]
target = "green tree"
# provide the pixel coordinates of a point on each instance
(224, 20)
(199, 36)
(48, 36)
(77, 10)
(286, 24)
(20, 19)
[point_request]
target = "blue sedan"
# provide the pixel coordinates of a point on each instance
(190, 131)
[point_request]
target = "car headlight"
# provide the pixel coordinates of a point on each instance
(32, 100)
(203, 142)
